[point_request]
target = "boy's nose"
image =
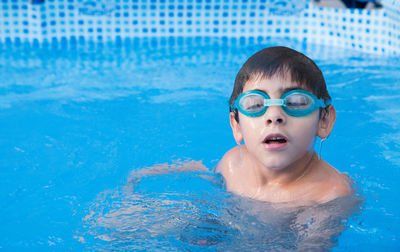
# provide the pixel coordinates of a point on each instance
(275, 115)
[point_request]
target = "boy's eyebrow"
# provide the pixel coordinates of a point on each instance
(285, 90)
(290, 89)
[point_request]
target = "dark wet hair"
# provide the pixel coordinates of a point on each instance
(281, 62)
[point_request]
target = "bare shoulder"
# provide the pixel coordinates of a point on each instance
(228, 162)
(334, 183)
(232, 167)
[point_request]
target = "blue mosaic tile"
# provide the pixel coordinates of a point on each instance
(106, 20)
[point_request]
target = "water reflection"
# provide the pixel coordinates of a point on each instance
(184, 206)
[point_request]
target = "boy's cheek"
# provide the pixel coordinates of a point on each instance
(251, 125)
(307, 139)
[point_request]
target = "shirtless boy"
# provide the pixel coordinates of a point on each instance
(279, 106)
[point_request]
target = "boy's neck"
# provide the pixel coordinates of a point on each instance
(266, 177)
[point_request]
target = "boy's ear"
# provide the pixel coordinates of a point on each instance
(326, 122)
(237, 134)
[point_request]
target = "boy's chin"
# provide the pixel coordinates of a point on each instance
(282, 163)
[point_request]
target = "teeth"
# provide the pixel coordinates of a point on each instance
(275, 138)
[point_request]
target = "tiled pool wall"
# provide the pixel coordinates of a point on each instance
(376, 30)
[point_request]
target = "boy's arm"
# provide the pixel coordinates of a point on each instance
(319, 225)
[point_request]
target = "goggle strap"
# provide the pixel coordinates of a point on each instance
(327, 103)
(324, 104)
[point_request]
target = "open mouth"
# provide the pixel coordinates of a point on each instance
(275, 139)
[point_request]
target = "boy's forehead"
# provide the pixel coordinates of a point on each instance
(272, 84)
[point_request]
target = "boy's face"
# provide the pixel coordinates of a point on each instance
(276, 139)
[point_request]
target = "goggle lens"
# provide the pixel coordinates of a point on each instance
(298, 101)
(252, 103)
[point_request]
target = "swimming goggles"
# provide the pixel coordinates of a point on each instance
(297, 103)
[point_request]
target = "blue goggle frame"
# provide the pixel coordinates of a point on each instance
(315, 103)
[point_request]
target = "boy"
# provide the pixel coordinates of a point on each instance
(279, 105)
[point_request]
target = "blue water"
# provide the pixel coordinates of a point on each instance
(111, 147)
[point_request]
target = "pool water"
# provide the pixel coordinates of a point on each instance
(112, 146)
